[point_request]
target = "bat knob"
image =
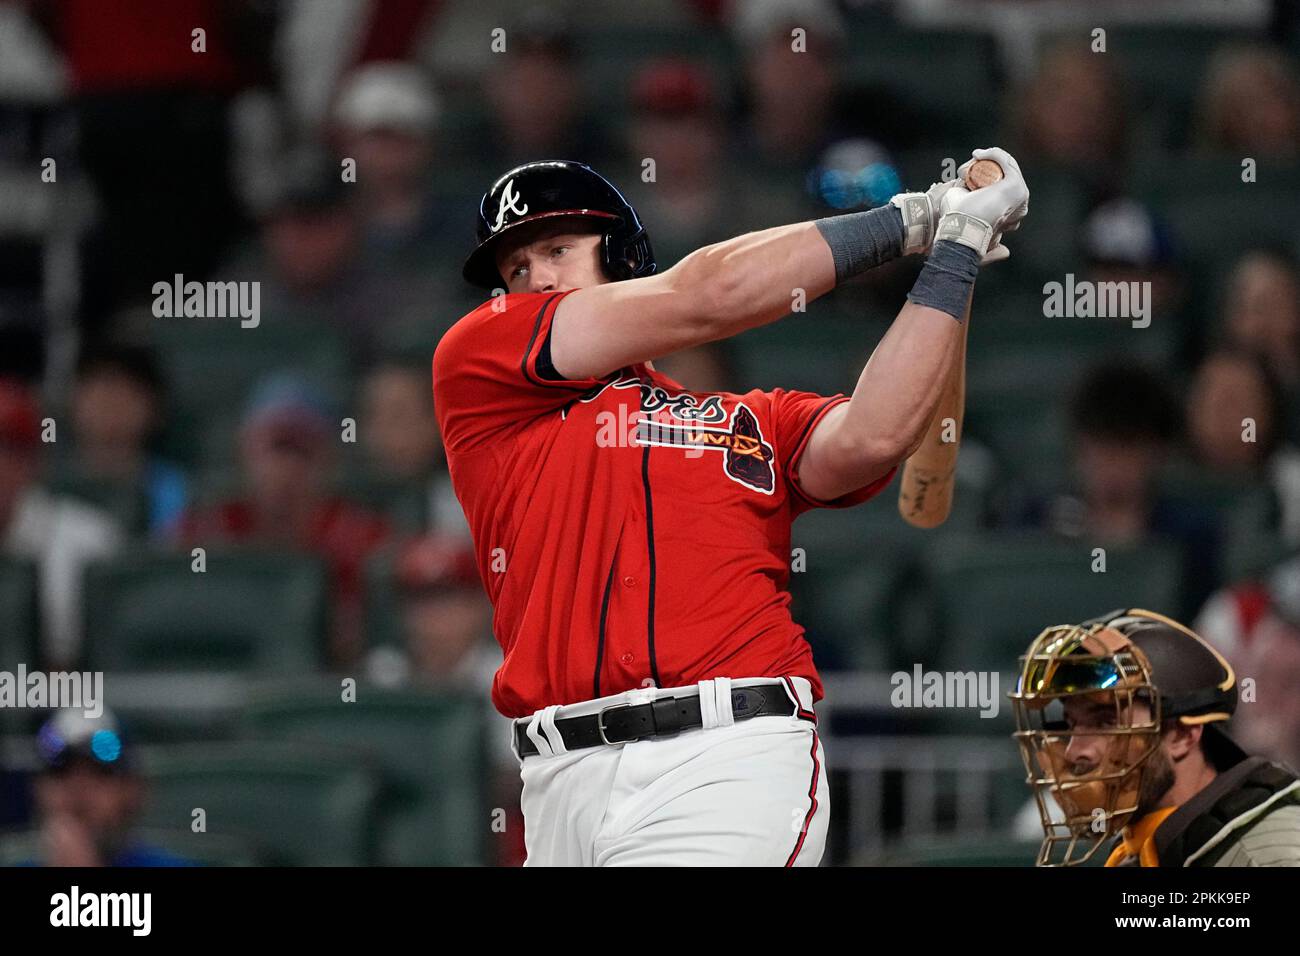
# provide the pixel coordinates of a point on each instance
(981, 173)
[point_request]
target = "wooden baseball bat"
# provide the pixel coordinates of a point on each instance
(926, 491)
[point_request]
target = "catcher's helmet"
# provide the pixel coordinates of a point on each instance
(552, 188)
(1114, 661)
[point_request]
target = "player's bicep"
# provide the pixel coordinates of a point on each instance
(600, 329)
(831, 465)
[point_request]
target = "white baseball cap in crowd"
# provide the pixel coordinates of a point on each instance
(388, 95)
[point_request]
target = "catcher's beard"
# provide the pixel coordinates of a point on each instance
(1157, 780)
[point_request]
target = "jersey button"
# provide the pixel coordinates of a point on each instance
(626, 658)
(629, 581)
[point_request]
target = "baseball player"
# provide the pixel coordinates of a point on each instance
(1119, 721)
(633, 535)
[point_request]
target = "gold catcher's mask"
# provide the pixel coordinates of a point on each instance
(1089, 708)
(1085, 683)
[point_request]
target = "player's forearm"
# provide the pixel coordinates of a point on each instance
(901, 385)
(899, 388)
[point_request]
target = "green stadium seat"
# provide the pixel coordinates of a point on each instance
(382, 607)
(889, 64)
(1206, 225)
(607, 53)
(856, 595)
(294, 805)
(964, 851)
(429, 745)
(212, 366)
(847, 614)
(249, 611)
(817, 351)
(993, 593)
(19, 614)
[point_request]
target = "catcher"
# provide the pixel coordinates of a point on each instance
(633, 535)
(1120, 724)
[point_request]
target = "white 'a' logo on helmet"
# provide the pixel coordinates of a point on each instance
(509, 203)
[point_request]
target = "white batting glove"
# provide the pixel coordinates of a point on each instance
(979, 218)
(920, 213)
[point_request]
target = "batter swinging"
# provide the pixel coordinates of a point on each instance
(633, 535)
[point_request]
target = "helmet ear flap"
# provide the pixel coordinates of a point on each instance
(626, 256)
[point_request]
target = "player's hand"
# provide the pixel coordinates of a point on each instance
(920, 213)
(978, 218)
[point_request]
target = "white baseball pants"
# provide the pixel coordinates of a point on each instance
(732, 793)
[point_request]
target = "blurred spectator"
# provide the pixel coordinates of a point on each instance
(792, 95)
(286, 445)
(1123, 241)
(1262, 312)
(448, 643)
(535, 92)
(676, 121)
(386, 119)
(854, 173)
(403, 448)
(1071, 113)
(1257, 626)
(310, 235)
(446, 617)
(1123, 422)
(89, 794)
(117, 408)
(153, 132)
(312, 263)
(1124, 425)
(1250, 104)
(705, 368)
(59, 534)
(1234, 427)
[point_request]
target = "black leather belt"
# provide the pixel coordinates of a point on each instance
(620, 723)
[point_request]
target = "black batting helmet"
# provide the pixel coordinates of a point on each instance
(552, 188)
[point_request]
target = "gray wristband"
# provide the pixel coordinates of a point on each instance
(946, 279)
(863, 240)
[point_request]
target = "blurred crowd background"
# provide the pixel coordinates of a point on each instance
(127, 440)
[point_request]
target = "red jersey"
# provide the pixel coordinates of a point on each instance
(629, 532)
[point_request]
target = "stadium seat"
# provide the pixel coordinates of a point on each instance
(1164, 67)
(249, 611)
(856, 597)
(816, 352)
(294, 805)
(964, 851)
(382, 607)
(19, 614)
(429, 746)
(610, 57)
(993, 593)
(887, 66)
(213, 364)
(1242, 219)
